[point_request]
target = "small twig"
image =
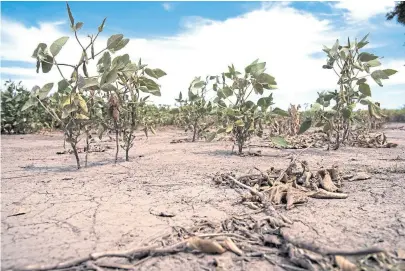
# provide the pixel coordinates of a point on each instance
(94, 266)
(290, 267)
(142, 261)
(45, 267)
(325, 251)
(260, 195)
(292, 162)
(117, 266)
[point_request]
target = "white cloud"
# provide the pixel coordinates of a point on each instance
(167, 6)
(363, 10)
(280, 35)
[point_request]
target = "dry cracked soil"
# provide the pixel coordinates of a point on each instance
(53, 212)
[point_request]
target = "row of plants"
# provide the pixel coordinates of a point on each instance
(240, 104)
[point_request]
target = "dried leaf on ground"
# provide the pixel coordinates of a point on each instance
(344, 264)
(206, 246)
(230, 245)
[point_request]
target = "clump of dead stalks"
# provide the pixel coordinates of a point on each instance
(319, 139)
(291, 186)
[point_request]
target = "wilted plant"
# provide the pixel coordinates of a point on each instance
(334, 109)
(194, 110)
(74, 115)
(127, 106)
(243, 116)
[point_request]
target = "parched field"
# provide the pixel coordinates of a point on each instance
(52, 212)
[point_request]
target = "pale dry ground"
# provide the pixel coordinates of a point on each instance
(70, 213)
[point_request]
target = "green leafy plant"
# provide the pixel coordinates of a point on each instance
(127, 105)
(194, 110)
(333, 110)
(242, 116)
(74, 114)
(14, 117)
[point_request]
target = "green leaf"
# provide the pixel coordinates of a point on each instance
(78, 26)
(361, 81)
(378, 81)
(221, 103)
(72, 20)
(335, 48)
(41, 47)
(106, 60)
(62, 85)
(249, 104)
(57, 45)
(47, 66)
(265, 78)
(120, 45)
(379, 74)
(108, 88)
(280, 112)
(101, 27)
(305, 126)
(90, 82)
(129, 69)
(390, 72)
(249, 67)
(29, 103)
(199, 84)
(365, 89)
(263, 102)
(366, 57)
(229, 128)
(151, 73)
(109, 77)
(279, 141)
(255, 68)
(227, 92)
(150, 86)
(159, 73)
(258, 88)
(114, 40)
(44, 91)
(363, 42)
(374, 63)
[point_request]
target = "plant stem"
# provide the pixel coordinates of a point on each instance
(75, 152)
(116, 141)
(87, 147)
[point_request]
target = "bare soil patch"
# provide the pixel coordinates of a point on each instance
(52, 212)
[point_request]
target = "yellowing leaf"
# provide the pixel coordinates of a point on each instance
(239, 123)
(82, 103)
(81, 117)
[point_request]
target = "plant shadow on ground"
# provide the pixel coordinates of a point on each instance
(70, 168)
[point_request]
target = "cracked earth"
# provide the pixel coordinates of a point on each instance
(52, 212)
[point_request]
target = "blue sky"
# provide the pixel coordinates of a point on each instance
(189, 39)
